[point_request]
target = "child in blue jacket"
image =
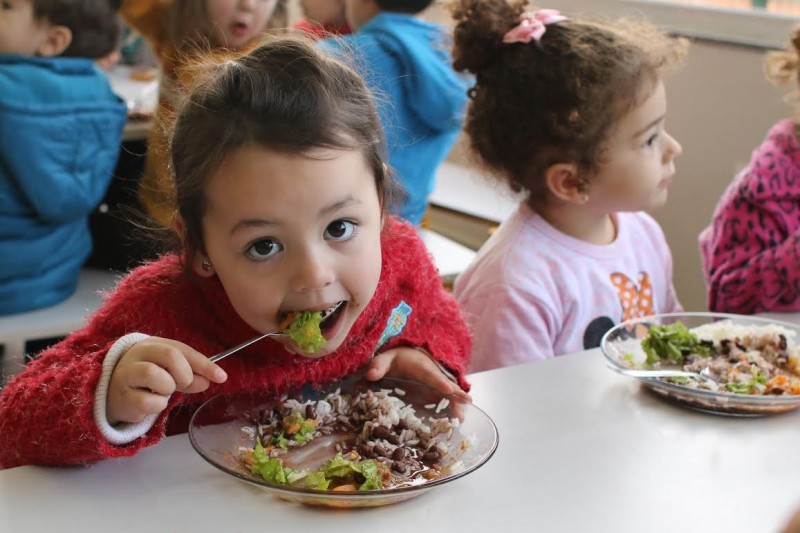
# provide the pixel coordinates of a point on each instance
(421, 100)
(60, 132)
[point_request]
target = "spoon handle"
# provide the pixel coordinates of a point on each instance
(245, 344)
(656, 373)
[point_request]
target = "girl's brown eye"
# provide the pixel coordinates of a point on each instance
(264, 249)
(340, 230)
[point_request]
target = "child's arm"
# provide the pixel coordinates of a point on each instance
(767, 280)
(750, 253)
(47, 411)
(50, 412)
(416, 365)
(434, 325)
(149, 372)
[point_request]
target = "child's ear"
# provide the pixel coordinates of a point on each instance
(179, 227)
(199, 262)
(56, 39)
(565, 182)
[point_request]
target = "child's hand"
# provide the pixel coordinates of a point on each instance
(150, 372)
(416, 365)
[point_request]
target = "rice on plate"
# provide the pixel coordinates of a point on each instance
(371, 440)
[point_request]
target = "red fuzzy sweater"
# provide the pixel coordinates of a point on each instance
(46, 412)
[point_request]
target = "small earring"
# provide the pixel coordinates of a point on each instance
(584, 198)
(206, 265)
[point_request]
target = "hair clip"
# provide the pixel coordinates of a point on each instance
(531, 26)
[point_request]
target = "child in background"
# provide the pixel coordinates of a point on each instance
(323, 18)
(60, 132)
(793, 525)
(421, 99)
(179, 30)
(751, 250)
(573, 113)
(281, 198)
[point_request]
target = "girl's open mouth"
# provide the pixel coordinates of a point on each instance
(239, 28)
(331, 315)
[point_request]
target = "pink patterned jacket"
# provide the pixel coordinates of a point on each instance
(751, 251)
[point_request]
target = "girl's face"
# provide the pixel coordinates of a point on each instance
(234, 23)
(359, 12)
(285, 232)
(639, 161)
(324, 11)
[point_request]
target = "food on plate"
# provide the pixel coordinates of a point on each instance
(755, 360)
(303, 328)
(371, 440)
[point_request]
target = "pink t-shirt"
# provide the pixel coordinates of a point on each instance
(533, 292)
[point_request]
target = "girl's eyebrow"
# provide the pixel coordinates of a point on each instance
(251, 223)
(325, 211)
(336, 206)
(650, 125)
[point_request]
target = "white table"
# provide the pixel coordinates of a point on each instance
(466, 190)
(450, 257)
(59, 319)
(141, 97)
(581, 449)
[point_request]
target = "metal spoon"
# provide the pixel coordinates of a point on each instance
(705, 373)
(245, 344)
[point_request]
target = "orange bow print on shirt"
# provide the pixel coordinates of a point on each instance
(636, 301)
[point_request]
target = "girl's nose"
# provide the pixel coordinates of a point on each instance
(246, 4)
(312, 271)
(674, 148)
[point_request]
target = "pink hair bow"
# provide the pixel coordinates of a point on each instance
(532, 26)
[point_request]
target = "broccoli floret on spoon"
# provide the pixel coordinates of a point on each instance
(303, 328)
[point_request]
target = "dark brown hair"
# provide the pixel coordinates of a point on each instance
(285, 95)
(404, 6)
(94, 24)
(783, 66)
(556, 100)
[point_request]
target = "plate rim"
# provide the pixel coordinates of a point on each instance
(752, 400)
(345, 495)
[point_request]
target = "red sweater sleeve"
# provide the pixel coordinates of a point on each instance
(751, 252)
(47, 411)
(435, 322)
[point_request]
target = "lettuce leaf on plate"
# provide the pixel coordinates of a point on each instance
(672, 342)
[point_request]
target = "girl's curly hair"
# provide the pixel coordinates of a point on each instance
(783, 66)
(557, 99)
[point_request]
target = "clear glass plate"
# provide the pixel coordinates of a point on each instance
(625, 339)
(216, 434)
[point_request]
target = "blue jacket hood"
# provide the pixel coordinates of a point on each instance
(440, 94)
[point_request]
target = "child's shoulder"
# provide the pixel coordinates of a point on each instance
(774, 168)
(781, 141)
(398, 232)
(53, 80)
(164, 274)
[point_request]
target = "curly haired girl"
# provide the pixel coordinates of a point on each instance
(572, 113)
